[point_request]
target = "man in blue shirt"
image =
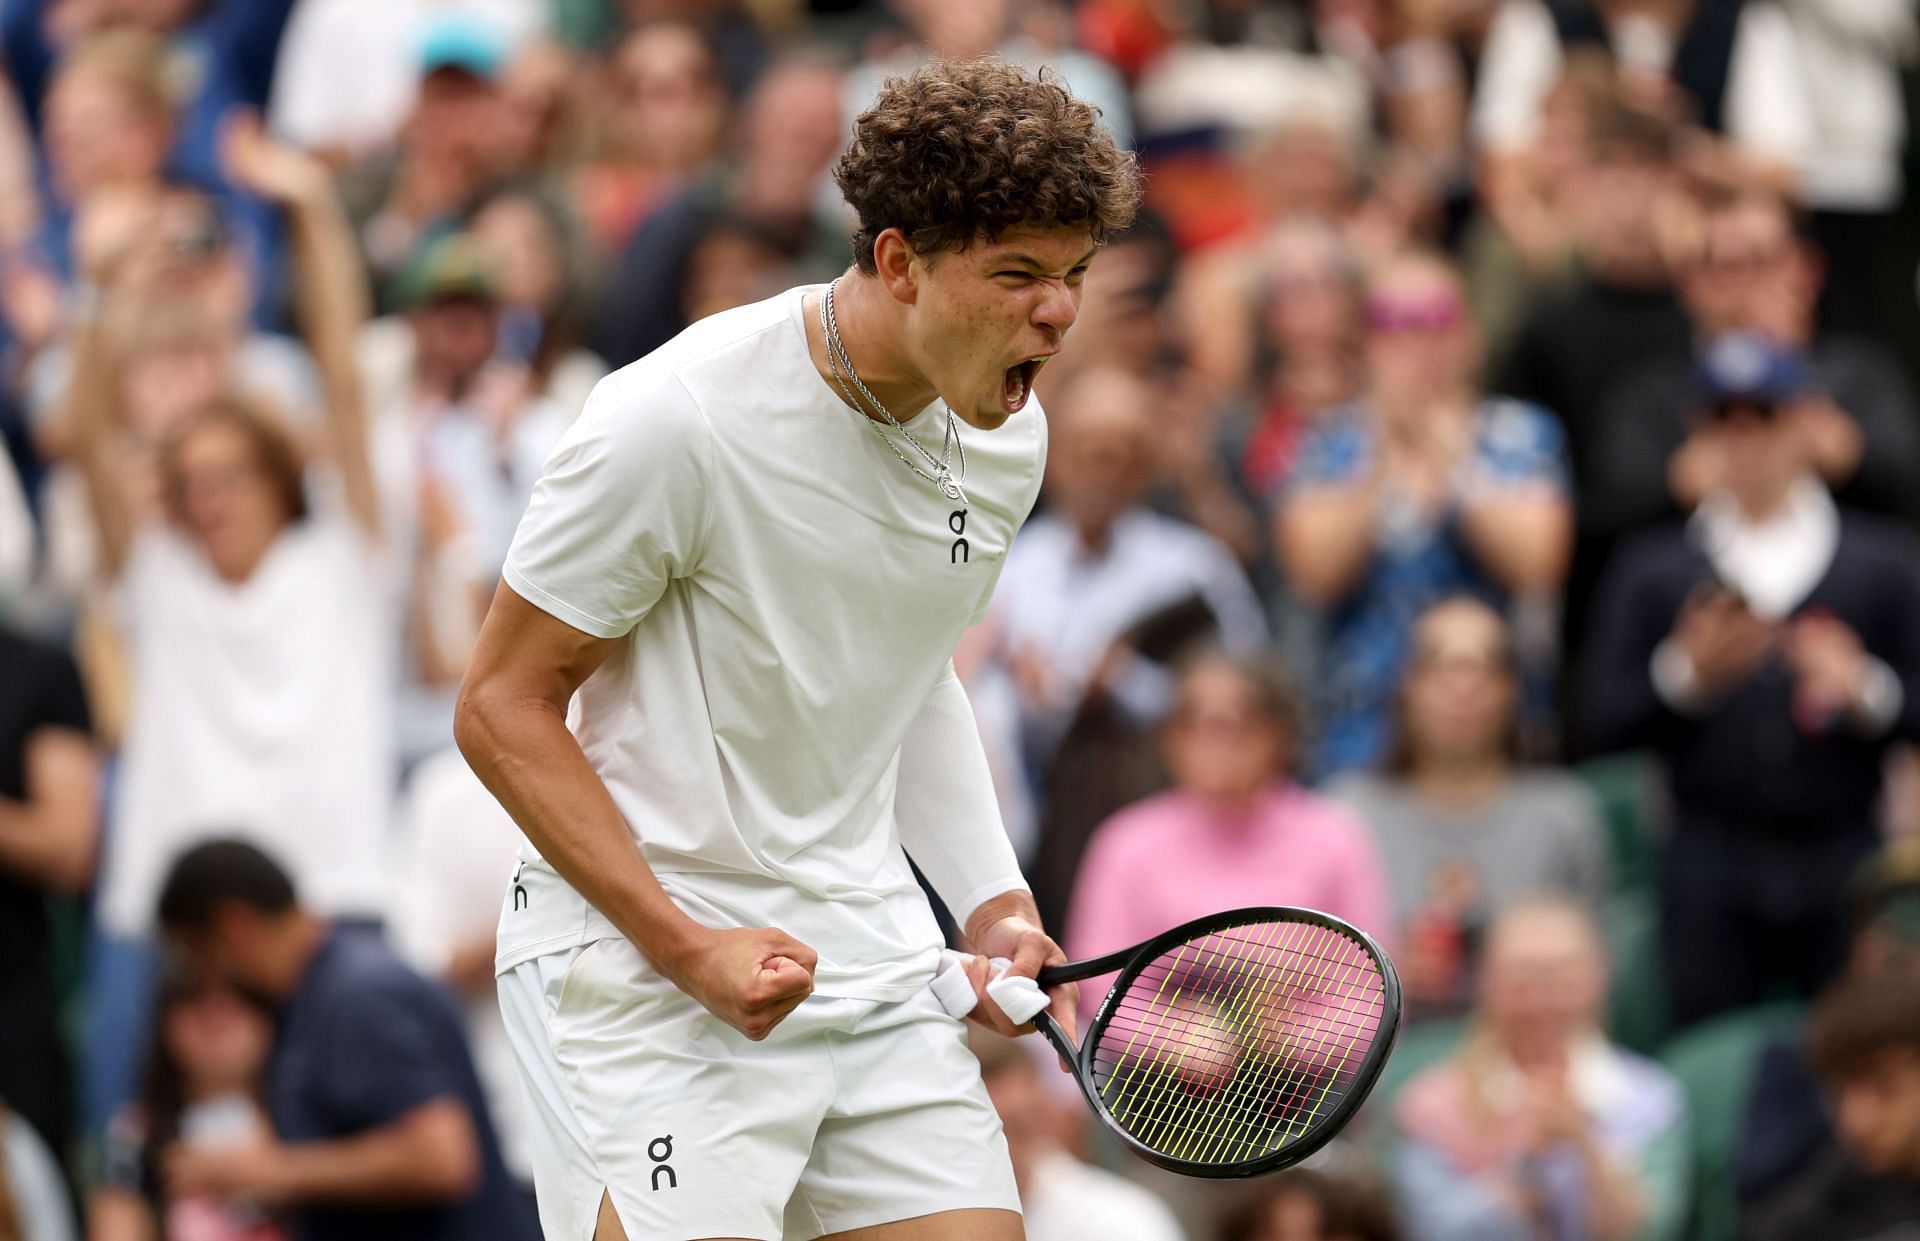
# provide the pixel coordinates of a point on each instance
(380, 1132)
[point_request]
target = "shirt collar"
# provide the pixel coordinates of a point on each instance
(1774, 563)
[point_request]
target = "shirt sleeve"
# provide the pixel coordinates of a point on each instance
(622, 508)
(62, 700)
(1521, 445)
(1336, 452)
(1522, 60)
(944, 804)
(384, 1060)
(1768, 111)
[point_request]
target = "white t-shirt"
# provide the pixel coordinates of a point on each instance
(782, 715)
(261, 710)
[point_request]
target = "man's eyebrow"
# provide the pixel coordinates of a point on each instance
(1033, 264)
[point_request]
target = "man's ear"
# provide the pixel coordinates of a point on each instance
(899, 268)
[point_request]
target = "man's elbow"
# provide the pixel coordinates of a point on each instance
(476, 715)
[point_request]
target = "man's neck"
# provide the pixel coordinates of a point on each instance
(1761, 506)
(867, 319)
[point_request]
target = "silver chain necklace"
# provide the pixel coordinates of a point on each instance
(843, 372)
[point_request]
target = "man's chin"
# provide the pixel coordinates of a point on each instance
(989, 419)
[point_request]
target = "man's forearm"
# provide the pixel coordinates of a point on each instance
(29, 848)
(944, 805)
(428, 1156)
(524, 753)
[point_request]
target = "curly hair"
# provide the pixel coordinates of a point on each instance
(966, 149)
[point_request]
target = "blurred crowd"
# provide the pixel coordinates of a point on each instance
(1481, 506)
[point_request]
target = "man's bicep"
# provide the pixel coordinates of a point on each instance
(524, 650)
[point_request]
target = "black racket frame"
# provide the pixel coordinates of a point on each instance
(1131, 962)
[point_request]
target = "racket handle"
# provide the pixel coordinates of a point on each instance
(1092, 967)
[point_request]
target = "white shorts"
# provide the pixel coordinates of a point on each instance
(851, 1113)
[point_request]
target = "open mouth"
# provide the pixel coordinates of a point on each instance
(1017, 384)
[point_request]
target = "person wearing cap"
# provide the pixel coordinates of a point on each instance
(1769, 651)
(465, 433)
(405, 197)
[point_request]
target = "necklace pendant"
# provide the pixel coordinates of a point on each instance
(948, 487)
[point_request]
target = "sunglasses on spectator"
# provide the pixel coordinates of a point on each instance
(1434, 312)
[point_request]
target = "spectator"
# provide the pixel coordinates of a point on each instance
(1233, 831)
(992, 28)
(1308, 1205)
(535, 116)
(1538, 1127)
(49, 816)
(1464, 829)
(33, 1197)
(462, 428)
(379, 1129)
(459, 847)
(1310, 334)
(203, 1089)
(232, 48)
(1755, 272)
(349, 69)
(1731, 69)
(1866, 1047)
(1581, 339)
(666, 124)
(442, 159)
(256, 616)
(791, 128)
(1765, 650)
(529, 242)
(1788, 1154)
(107, 127)
(179, 339)
(1098, 595)
(1853, 56)
(1520, 249)
(1062, 1198)
(1422, 489)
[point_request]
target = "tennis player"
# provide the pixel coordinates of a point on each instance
(716, 692)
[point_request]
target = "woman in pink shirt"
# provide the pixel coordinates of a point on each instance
(1233, 830)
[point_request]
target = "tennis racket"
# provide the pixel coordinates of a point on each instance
(1234, 1044)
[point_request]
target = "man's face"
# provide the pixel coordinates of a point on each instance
(987, 317)
(227, 952)
(1877, 1114)
(1750, 273)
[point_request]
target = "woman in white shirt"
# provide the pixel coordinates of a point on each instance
(255, 608)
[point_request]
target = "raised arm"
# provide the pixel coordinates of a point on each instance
(331, 297)
(88, 431)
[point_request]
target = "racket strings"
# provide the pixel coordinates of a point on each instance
(1227, 1047)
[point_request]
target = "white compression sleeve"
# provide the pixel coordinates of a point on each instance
(948, 817)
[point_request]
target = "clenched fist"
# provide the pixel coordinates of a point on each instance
(749, 978)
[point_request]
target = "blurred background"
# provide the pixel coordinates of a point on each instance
(1481, 506)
